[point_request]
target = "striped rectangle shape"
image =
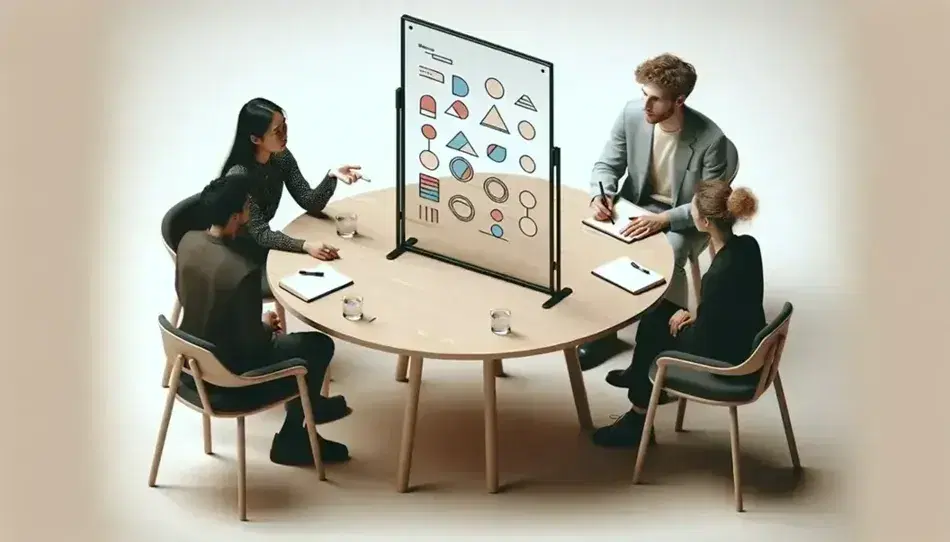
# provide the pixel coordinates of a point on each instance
(428, 187)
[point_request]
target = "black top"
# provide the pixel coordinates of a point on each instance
(220, 294)
(730, 313)
(280, 170)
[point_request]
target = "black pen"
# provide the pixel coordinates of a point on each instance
(640, 268)
(603, 197)
(311, 273)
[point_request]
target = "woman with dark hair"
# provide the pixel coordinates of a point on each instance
(727, 319)
(260, 149)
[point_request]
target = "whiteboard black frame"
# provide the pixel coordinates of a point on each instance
(554, 289)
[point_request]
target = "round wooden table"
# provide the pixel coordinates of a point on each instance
(425, 308)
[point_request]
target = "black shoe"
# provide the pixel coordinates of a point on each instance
(293, 450)
(619, 378)
(595, 353)
(625, 432)
(330, 409)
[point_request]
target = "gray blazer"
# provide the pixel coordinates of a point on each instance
(700, 155)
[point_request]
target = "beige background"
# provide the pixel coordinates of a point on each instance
(57, 110)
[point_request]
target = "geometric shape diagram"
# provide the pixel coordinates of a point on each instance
(525, 102)
(457, 110)
(429, 160)
(497, 215)
(494, 88)
(494, 121)
(429, 214)
(496, 190)
(527, 164)
(428, 187)
(461, 169)
(462, 208)
(459, 86)
(496, 231)
(460, 143)
(526, 129)
(526, 224)
(427, 106)
(431, 74)
(429, 132)
(496, 153)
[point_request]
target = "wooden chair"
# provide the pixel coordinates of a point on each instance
(732, 169)
(714, 382)
(195, 357)
(183, 217)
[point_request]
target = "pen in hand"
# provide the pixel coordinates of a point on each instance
(603, 198)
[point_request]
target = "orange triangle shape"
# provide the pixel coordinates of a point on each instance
(494, 121)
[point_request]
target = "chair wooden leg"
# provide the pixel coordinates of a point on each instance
(736, 471)
(409, 424)
(680, 414)
(311, 426)
(242, 470)
(697, 278)
(577, 387)
(166, 418)
(499, 368)
(325, 388)
(402, 369)
(489, 374)
(206, 426)
(786, 421)
(648, 423)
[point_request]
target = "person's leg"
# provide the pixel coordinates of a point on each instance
(684, 243)
(291, 445)
(653, 337)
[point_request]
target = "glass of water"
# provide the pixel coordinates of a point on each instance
(353, 307)
(501, 321)
(345, 224)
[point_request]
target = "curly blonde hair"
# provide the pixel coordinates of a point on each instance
(670, 73)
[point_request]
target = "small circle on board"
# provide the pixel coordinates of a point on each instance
(527, 199)
(429, 160)
(526, 129)
(527, 164)
(429, 132)
(528, 226)
(494, 88)
(497, 230)
(462, 208)
(497, 215)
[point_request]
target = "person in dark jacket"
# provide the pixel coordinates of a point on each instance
(726, 322)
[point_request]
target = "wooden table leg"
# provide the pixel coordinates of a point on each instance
(402, 369)
(409, 424)
(490, 372)
(577, 386)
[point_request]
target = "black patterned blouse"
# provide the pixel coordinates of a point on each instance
(281, 170)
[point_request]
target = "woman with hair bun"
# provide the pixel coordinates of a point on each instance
(726, 322)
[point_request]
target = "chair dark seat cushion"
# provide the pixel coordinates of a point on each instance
(239, 400)
(186, 215)
(704, 385)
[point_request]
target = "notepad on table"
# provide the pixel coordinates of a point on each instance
(309, 287)
(624, 211)
(628, 275)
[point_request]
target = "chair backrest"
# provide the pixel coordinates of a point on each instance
(184, 216)
(732, 161)
(767, 349)
(199, 357)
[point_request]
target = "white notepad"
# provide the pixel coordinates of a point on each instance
(628, 275)
(623, 212)
(310, 288)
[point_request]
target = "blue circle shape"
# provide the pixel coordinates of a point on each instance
(496, 230)
(461, 169)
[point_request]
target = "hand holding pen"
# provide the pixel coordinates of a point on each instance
(603, 206)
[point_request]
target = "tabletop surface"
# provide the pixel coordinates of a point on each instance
(433, 309)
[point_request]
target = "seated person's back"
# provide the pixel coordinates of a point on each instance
(220, 294)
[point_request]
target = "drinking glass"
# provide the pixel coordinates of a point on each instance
(345, 225)
(501, 321)
(353, 307)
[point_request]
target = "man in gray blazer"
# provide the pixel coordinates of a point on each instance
(665, 148)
